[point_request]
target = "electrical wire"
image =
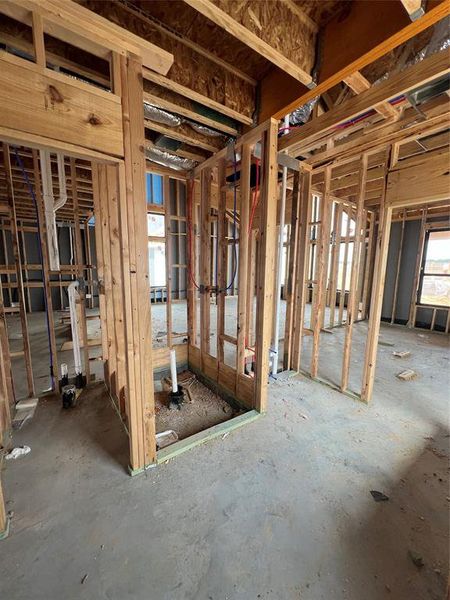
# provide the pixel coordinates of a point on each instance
(255, 197)
(234, 220)
(33, 196)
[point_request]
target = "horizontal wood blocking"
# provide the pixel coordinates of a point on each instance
(44, 103)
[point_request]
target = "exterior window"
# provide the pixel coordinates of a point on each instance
(154, 188)
(155, 225)
(434, 286)
(157, 263)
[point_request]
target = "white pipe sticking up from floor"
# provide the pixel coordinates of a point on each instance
(279, 282)
(73, 294)
(173, 371)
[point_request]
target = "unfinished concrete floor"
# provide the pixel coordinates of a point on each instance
(280, 509)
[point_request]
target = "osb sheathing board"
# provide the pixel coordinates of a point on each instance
(191, 24)
(277, 25)
(321, 11)
(190, 68)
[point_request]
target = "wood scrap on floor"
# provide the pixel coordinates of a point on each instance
(402, 354)
(407, 375)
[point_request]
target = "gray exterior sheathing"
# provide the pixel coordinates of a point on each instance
(406, 277)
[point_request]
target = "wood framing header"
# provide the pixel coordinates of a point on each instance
(76, 25)
(420, 180)
(40, 102)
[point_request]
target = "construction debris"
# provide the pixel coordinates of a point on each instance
(17, 452)
(407, 375)
(166, 438)
(24, 411)
(416, 558)
(402, 354)
(379, 496)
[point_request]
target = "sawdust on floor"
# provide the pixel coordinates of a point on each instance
(205, 410)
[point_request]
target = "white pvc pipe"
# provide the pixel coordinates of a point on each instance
(62, 182)
(50, 205)
(279, 283)
(72, 291)
(173, 371)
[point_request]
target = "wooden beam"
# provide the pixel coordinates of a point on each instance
(427, 70)
(81, 27)
(184, 133)
(179, 105)
(220, 16)
(266, 266)
(291, 269)
(413, 8)
(57, 107)
(19, 273)
(376, 137)
(168, 255)
(79, 272)
(353, 297)
(117, 287)
(304, 18)
(38, 39)
(358, 83)
(323, 242)
(6, 382)
(167, 32)
(221, 260)
(192, 94)
(142, 403)
(205, 262)
(40, 217)
(4, 519)
(420, 180)
(303, 254)
(373, 43)
(244, 246)
(376, 305)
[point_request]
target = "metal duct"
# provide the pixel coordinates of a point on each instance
(169, 160)
(205, 130)
(302, 114)
(161, 116)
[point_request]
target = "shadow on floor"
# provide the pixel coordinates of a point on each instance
(400, 534)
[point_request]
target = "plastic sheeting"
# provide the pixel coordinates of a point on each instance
(161, 116)
(167, 159)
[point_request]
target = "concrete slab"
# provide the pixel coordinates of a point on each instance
(279, 510)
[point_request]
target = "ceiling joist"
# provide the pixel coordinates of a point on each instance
(287, 45)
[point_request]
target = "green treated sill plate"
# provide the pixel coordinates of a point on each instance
(204, 436)
(199, 438)
(4, 534)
